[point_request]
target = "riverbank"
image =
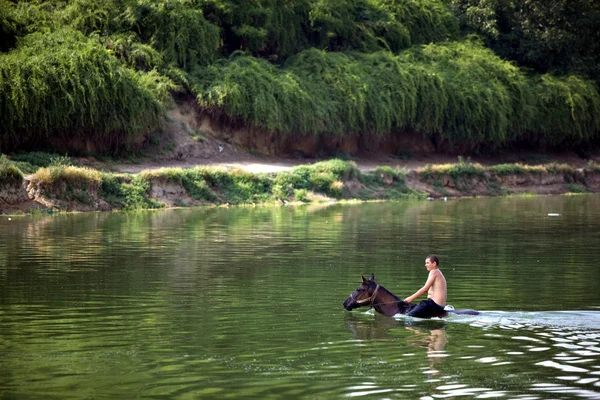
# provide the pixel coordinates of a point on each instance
(64, 188)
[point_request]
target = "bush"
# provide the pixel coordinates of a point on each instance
(511, 169)
(576, 188)
(460, 91)
(301, 195)
(326, 177)
(63, 84)
(42, 159)
(10, 175)
(461, 169)
(177, 30)
(75, 176)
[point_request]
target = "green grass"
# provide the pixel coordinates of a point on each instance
(576, 188)
(514, 169)
(106, 70)
(30, 162)
(456, 171)
(206, 185)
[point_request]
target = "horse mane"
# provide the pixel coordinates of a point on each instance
(398, 299)
(399, 304)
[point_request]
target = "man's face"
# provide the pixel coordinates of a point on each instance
(429, 265)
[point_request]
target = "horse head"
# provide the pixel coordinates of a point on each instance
(363, 294)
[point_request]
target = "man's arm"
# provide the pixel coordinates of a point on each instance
(425, 288)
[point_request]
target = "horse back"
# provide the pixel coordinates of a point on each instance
(463, 312)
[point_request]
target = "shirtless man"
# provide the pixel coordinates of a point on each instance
(436, 292)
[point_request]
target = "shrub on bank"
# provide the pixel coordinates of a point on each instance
(70, 175)
(68, 183)
(326, 177)
(335, 178)
(10, 175)
(515, 169)
(456, 171)
(127, 192)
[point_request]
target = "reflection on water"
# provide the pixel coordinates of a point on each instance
(502, 347)
(245, 302)
(428, 335)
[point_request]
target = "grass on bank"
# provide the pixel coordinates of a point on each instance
(105, 69)
(67, 182)
(10, 175)
(70, 175)
(30, 162)
(466, 169)
(336, 179)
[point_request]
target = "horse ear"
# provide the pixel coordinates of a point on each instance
(372, 277)
(363, 279)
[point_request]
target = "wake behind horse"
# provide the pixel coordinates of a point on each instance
(369, 293)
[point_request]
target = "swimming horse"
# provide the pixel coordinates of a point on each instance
(370, 293)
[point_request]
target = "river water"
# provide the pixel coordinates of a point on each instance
(247, 302)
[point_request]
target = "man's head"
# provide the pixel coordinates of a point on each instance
(431, 262)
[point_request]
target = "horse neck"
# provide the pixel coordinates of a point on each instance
(388, 303)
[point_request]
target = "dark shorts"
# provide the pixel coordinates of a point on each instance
(427, 309)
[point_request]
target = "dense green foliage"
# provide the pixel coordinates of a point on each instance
(177, 31)
(549, 35)
(315, 67)
(281, 28)
(65, 83)
(459, 90)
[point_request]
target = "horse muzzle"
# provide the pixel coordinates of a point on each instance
(350, 304)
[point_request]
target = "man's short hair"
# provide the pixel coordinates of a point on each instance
(434, 258)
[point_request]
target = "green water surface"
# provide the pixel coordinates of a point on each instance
(247, 302)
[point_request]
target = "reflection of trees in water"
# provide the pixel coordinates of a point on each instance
(257, 249)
